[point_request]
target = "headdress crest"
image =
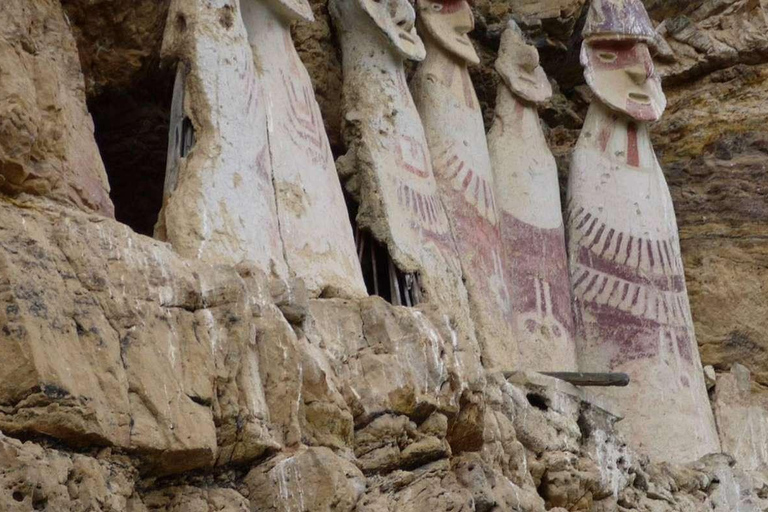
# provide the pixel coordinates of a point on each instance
(617, 20)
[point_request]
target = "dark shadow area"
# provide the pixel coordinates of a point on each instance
(538, 401)
(381, 275)
(132, 134)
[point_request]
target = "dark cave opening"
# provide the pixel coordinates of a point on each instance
(131, 130)
(380, 272)
(538, 401)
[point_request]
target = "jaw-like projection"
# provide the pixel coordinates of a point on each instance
(453, 123)
(448, 23)
(525, 174)
(289, 10)
(622, 75)
(630, 299)
(396, 20)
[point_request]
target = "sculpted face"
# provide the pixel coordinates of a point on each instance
(396, 18)
(449, 23)
(293, 10)
(518, 65)
(622, 75)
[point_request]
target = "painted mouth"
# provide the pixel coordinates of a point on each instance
(639, 97)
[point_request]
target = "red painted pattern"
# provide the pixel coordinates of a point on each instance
(534, 255)
(633, 155)
(303, 123)
(634, 288)
(412, 157)
(627, 53)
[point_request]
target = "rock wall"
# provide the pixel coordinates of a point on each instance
(132, 380)
(144, 382)
(47, 146)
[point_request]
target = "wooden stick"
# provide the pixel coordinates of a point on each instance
(375, 271)
(408, 285)
(361, 245)
(619, 380)
(416, 290)
(394, 286)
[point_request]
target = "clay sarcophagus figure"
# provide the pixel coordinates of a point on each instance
(388, 156)
(313, 218)
(528, 198)
(453, 123)
(219, 201)
(260, 183)
(631, 304)
(388, 169)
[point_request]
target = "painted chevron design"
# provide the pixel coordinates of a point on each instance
(475, 188)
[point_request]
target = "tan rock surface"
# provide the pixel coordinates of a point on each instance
(120, 342)
(742, 419)
(313, 479)
(47, 146)
(193, 499)
(37, 478)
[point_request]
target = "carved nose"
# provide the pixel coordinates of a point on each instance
(466, 23)
(639, 73)
(530, 59)
(404, 15)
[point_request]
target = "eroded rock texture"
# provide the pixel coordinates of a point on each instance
(47, 146)
(136, 364)
(133, 380)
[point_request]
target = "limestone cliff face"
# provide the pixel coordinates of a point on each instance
(133, 380)
(47, 146)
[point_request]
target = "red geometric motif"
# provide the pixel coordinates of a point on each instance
(303, 123)
(411, 156)
(463, 178)
(633, 286)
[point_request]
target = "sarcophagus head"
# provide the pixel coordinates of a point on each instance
(617, 59)
(395, 19)
(519, 67)
(448, 23)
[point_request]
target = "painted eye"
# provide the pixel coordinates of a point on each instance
(607, 56)
(437, 7)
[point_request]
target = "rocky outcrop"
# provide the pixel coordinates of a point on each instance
(37, 478)
(156, 366)
(714, 160)
(742, 419)
(47, 146)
